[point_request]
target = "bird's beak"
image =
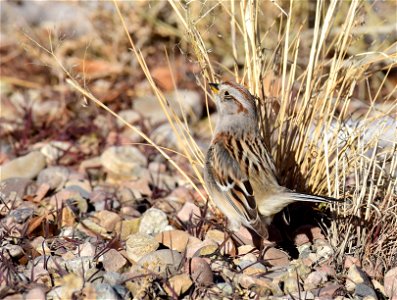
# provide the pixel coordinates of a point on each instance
(214, 87)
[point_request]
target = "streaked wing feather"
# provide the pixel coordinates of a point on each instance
(236, 187)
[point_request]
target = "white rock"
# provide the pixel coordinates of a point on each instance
(55, 150)
(129, 115)
(153, 221)
(124, 161)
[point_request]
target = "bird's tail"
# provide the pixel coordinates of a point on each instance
(313, 198)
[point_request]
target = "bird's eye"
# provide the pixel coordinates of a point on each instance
(227, 96)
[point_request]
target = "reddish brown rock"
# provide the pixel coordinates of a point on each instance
(174, 239)
(41, 192)
(308, 234)
(189, 211)
(243, 236)
(276, 257)
(181, 195)
(113, 261)
(330, 291)
(200, 271)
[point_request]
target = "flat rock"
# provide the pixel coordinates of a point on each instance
(81, 266)
(189, 211)
(329, 291)
(55, 150)
(314, 280)
(28, 166)
(252, 268)
(23, 212)
(276, 257)
(82, 186)
(108, 219)
(160, 262)
(113, 261)
(181, 195)
(292, 284)
(165, 136)
(138, 245)
(365, 291)
(85, 249)
(174, 239)
(17, 186)
(128, 227)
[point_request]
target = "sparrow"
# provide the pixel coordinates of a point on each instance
(239, 171)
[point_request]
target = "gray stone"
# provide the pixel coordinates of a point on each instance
(355, 276)
(105, 292)
(365, 291)
(27, 166)
(17, 187)
(314, 280)
(225, 288)
(55, 176)
(112, 278)
(82, 266)
(21, 214)
(79, 189)
(183, 102)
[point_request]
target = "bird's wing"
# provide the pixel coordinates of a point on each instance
(236, 187)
